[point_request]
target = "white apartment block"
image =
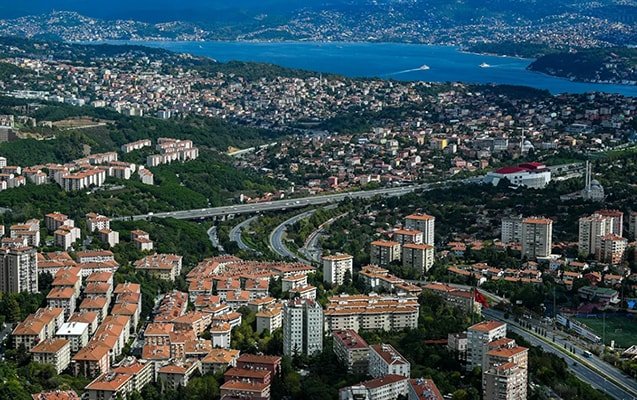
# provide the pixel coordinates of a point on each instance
(269, 318)
(302, 327)
(77, 333)
(478, 336)
(128, 147)
(18, 270)
(56, 352)
(536, 237)
(590, 229)
(65, 236)
(335, 267)
(388, 387)
(97, 222)
(424, 223)
(146, 176)
(385, 360)
(82, 180)
(109, 236)
(386, 312)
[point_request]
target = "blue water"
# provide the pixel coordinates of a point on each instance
(389, 60)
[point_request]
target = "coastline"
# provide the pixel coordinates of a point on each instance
(386, 60)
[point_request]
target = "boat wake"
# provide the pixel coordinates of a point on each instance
(423, 68)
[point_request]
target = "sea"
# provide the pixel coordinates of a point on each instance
(399, 61)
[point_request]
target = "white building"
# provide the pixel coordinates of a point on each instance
(478, 336)
(335, 267)
(302, 327)
(385, 360)
(532, 175)
(18, 270)
(424, 223)
(77, 333)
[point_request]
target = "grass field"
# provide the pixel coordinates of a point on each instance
(620, 329)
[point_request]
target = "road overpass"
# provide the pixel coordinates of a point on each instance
(275, 205)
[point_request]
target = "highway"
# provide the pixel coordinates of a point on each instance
(275, 204)
(593, 371)
(235, 234)
(276, 237)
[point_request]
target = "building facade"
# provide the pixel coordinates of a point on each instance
(302, 327)
(536, 237)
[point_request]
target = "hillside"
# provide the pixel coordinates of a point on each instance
(612, 65)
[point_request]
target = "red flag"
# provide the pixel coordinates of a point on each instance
(479, 297)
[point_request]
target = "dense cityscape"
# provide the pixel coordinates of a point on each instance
(159, 240)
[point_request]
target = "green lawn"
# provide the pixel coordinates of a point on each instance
(620, 329)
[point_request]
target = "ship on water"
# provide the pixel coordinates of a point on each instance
(484, 65)
(423, 67)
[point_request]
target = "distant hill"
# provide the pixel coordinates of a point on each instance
(616, 65)
(206, 11)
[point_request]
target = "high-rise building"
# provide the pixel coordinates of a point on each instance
(383, 252)
(536, 237)
(478, 336)
(590, 229)
(511, 227)
(335, 268)
(616, 220)
(593, 228)
(505, 382)
(302, 327)
(18, 270)
(418, 256)
(505, 370)
(611, 249)
(424, 223)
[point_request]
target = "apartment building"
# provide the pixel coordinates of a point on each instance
(385, 360)
(383, 252)
(423, 223)
(478, 336)
(54, 351)
(418, 256)
(351, 350)
(373, 311)
(18, 270)
(302, 327)
(536, 237)
(335, 267)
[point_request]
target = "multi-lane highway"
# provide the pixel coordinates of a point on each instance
(593, 371)
(276, 204)
(235, 233)
(276, 237)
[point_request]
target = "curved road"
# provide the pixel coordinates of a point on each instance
(276, 237)
(235, 234)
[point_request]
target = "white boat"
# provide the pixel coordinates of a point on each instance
(484, 65)
(423, 67)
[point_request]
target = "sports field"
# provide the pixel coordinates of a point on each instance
(620, 329)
